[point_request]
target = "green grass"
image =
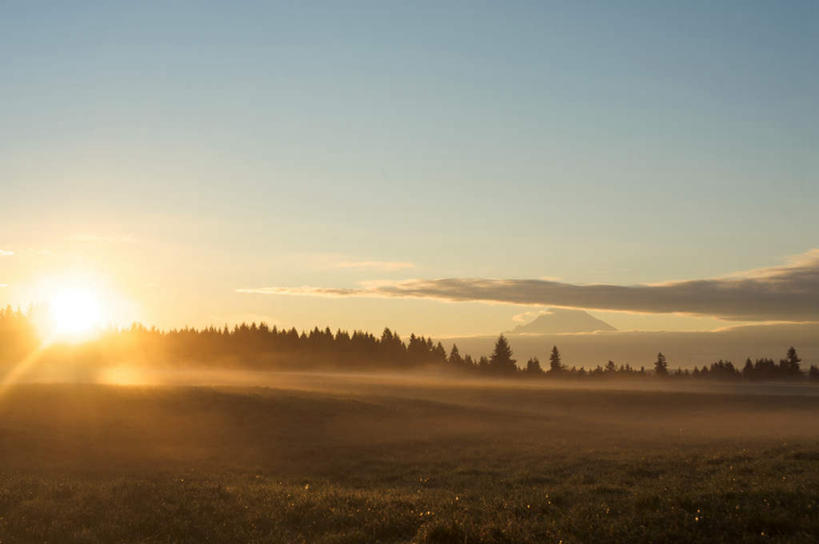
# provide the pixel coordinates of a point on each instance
(360, 460)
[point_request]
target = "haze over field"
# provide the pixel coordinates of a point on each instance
(367, 459)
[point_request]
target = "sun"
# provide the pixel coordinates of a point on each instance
(77, 306)
(75, 313)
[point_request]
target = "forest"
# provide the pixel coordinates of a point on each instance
(261, 347)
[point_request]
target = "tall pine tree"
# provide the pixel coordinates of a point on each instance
(501, 360)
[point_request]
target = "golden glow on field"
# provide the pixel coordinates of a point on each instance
(123, 375)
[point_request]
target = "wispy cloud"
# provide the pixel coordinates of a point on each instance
(310, 291)
(374, 265)
(785, 293)
(6, 253)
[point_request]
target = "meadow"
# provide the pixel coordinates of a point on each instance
(324, 458)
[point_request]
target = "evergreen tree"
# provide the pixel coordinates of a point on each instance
(469, 364)
(661, 365)
(748, 369)
(765, 369)
(533, 367)
(555, 364)
(501, 360)
(439, 353)
(455, 359)
(723, 370)
(789, 366)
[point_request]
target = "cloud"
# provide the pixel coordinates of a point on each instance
(785, 293)
(375, 265)
(310, 291)
(3, 285)
(6, 253)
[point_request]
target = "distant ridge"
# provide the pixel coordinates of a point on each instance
(560, 320)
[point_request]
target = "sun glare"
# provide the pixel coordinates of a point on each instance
(75, 313)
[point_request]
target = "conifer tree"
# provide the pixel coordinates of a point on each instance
(455, 360)
(533, 367)
(501, 360)
(789, 366)
(661, 365)
(555, 363)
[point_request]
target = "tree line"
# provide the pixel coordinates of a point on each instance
(764, 369)
(260, 346)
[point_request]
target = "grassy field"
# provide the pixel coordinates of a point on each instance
(366, 459)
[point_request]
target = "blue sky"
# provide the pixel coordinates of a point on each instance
(183, 150)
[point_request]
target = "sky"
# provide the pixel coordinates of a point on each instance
(299, 162)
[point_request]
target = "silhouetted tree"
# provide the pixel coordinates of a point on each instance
(469, 364)
(723, 370)
(501, 360)
(455, 359)
(533, 367)
(555, 364)
(765, 369)
(789, 366)
(439, 353)
(748, 369)
(661, 365)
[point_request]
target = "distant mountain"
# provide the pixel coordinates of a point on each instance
(560, 320)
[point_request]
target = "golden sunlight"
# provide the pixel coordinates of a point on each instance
(75, 313)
